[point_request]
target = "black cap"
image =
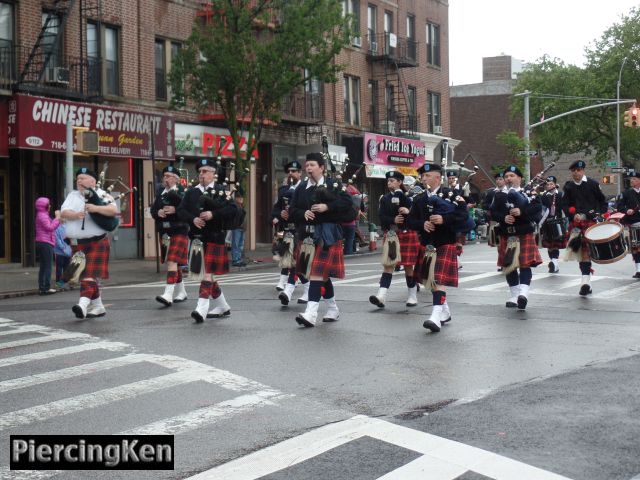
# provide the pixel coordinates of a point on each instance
(171, 169)
(513, 169)
(634, 173)
(551, 178)
(429, 167)
(316, 157)
(394, 174)
(451, 173)
(293, 165)
(499, 175)
(205, 162)
(86, 171)
(578, 164)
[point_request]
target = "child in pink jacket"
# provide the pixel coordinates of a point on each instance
(45, 241)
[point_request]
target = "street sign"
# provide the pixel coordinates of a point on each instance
(618, 170)
(610, 163)
(532, 153)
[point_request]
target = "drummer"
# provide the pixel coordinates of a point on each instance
(629, 205)
(552, 201)
(583, 201)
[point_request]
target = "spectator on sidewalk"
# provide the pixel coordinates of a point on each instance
(349, 228)
(237, 235)
(62, 251)
(45, 241)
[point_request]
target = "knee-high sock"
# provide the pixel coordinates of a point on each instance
(439, 297)
(205, 289)
(303, 279)
(554, 253)
(585, 268)
(385, 280)
(636, 257)
(411, 282)
(328, 289)
(314, 290)
(284, 271)
(513, 278)
(172, 278)
(292, 277)
(525, 276)
(179, 275)
(89, 289)
(215, 290)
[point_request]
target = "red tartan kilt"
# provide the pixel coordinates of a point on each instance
(446, 269)
(328, 263)
(216, 260)
(97, 258)
(409, 247)
(529, 253)
(178, 249)
(554, 244)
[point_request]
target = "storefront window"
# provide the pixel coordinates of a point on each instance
(119, 175)
(282, 154)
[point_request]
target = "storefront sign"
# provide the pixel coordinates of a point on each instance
(201, 141)
(40, 123)
(389, 153)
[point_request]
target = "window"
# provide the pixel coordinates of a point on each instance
(352, 7)
(111, 60)
(412, 108)
(389, 37)
(7, 64)
(351, 93)
(313, 98)
(50, 46)
(161, 70)
(103, 59)
(433, 111)
(372, 30)
(373, 104)
(433, 44)
(411, 37)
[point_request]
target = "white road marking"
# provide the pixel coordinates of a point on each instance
(21, 329)
(31, 357)
(618, 291)
(54, 337)
(450, 458)
(479, 276)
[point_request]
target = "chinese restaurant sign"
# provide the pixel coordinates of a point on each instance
(39, 123)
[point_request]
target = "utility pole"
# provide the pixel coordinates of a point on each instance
(527, 162)
(618, 164)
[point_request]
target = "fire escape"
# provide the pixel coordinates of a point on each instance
(47, 70)
(393, 111)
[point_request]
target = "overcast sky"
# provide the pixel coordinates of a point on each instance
(525, 30)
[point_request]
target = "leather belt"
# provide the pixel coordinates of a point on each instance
(83, 241)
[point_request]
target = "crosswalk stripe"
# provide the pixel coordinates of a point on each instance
(438, 470)
(21, 329)
(31, 357)
(616, 292)
(479, 276)
(576, 282)
(48, 338)
(205, 416)
(70, 372)
(357, 279)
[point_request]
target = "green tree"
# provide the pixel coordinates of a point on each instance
(592, 131)
(514, 145)
(248, 55)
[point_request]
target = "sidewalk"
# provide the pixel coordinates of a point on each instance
(18, 281)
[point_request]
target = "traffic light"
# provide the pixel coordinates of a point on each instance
(608, 179)
(87, 141)
(627, 117)
(634, 117)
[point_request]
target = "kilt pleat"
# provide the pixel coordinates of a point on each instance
(529, 253)
(446, 268)
(97, 258)
(409, 247)
(328, 263)
(178, 249)
(216, 260)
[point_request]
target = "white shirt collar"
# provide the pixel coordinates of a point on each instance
(312, 183)
(583, 179)
(293, 186)
(204, 189)
(637, 190)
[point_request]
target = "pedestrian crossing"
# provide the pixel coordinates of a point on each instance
(246, 395)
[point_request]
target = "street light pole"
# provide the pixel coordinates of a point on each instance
(527, 162)
(618, 124)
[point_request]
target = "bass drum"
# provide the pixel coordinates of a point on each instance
(606, 242)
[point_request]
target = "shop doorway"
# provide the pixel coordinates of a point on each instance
(5, 253)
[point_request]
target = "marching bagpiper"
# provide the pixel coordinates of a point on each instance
(583, 202)
(436, 219)
(553, 230)
(287, 244)
(517, 215)
(89, 236)
(401, 245)
(629, 204)
(207, 210)
(174, 232)
(318, 207)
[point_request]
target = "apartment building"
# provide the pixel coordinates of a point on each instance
(103, 65)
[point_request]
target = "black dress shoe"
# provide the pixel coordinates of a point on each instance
(376, 301)
(510, 304)
(197, 317)
(637, 275)
(284, 299)
(585, 290)
(226, 313)
(552, 268)
(522, 302)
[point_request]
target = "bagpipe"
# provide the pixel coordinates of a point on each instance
(173, 196)
(441, 205)
(103, 221)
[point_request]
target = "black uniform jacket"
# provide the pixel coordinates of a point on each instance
(390, 203)
(214, 229)
(285, 196)
(629, 199)
(170, 224)
(444, 234)
(340, 206)
(548, 198)
(530, 212)
(586, 198)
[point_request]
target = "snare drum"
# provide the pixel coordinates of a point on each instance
(606, 242)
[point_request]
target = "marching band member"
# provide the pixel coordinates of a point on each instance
(208, 223)
(172, 228)
(90, 238)
(517, 249)
(317, 208)
(553, 237)
(280, 215)
(629, 204)
(492, 238)
(456, 188)
(436, 230)
(393, 211)
(583, 202)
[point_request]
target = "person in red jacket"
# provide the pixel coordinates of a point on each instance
(45, 241)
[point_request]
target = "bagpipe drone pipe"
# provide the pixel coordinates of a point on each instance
(446, 205)
(103, 221)
(173, 196)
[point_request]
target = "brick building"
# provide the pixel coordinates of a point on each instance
(103, 64)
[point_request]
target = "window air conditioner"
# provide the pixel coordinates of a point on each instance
(356, 41)
(373, 47)
(57, 75)
(437, 129)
